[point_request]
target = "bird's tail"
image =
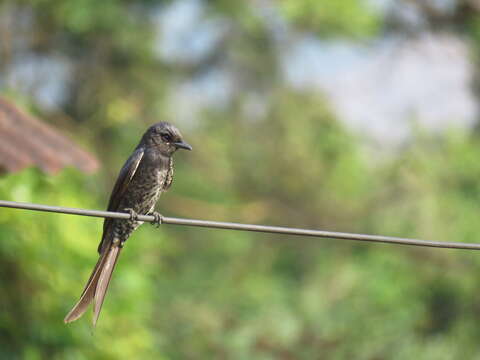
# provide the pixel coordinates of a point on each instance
(97, 285)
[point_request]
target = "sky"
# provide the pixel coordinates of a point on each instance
(381, 90)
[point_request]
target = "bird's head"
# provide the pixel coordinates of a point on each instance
(165, 137)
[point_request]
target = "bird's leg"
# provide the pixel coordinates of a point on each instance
(158, 218)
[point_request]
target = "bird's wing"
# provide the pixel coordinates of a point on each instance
(99, 279)
(123, 180)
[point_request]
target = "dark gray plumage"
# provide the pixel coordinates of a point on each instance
(146, 174)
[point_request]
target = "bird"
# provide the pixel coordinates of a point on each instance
(146, 174)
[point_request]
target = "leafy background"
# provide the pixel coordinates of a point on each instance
(185, 293)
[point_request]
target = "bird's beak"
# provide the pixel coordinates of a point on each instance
(182, 145)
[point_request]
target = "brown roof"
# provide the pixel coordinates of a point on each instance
(26, 141)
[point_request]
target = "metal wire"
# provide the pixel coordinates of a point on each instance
(244, 227)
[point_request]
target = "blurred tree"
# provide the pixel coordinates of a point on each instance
(268, 153)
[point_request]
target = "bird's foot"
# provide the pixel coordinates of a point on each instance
(158, 219)
(133, 214)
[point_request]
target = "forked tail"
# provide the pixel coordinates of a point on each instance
(97, 285)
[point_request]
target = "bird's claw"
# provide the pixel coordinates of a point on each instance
(158, 219)
(133, 214)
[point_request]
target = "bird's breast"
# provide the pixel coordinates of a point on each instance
(146, 186)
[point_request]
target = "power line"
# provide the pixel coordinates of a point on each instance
(244, 227)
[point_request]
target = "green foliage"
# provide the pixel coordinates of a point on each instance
(353, 18)
(186, 293)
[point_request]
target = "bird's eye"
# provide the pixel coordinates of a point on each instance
(166, 137)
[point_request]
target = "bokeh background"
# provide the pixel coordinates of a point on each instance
(348, 115)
